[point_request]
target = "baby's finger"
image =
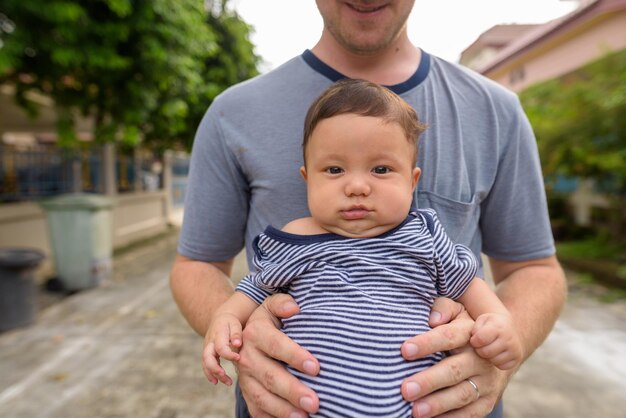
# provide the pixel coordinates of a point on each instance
(236, 336)
(482, 337)
(511, 364)
(228, 354)
(214, 372)
(208, 374)
(224, 351)
(225, 379)
(209, 355)
(211, 360)
(222, 344)
(491, 350)
(503, 359)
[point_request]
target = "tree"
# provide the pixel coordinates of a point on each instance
(580, 122)
(138, 68)
(235, 62)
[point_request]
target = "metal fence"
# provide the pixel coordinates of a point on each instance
(42, 171)
(180, 171)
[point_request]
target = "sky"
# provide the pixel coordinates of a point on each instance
(285, 28)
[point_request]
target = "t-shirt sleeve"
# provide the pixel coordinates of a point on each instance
(514, 216)
(455, 264)
(216, 197)
(272, 271)
(248, 287)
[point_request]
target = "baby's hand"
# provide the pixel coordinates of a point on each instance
(494, 338)
(224, 335)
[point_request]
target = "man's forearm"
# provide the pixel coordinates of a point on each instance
(534, 295)
(199, 288)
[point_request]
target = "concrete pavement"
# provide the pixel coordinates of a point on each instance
(123, 350)
(120, 350)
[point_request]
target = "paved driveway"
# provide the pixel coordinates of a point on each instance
(123, 350)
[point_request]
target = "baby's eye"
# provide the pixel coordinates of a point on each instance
(334, 170)
(381, 169)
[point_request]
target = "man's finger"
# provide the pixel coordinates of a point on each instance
(263, 345)
(266, 338)
(450, 399)
(448, 372)
(458, 401)
(281, 305)
(274, 378)
(445, 310)
(262, 403)
(443, 338)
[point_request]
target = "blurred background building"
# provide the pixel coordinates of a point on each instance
(518, 56)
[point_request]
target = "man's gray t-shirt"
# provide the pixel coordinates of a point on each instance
(480, 168)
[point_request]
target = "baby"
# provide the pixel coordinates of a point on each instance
(365, 267)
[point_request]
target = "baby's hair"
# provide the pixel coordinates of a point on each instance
(363, 98)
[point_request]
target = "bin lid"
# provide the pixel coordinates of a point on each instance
(20, 257)
(77, 201)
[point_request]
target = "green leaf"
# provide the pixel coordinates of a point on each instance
(143, 70)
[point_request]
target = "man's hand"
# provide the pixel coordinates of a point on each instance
(443, 388)
(268, 388)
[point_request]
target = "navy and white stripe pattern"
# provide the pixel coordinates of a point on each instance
(360, 299)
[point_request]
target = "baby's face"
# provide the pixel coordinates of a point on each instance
(360, 175)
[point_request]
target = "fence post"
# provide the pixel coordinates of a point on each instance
(167, 183)
(108, 169)
(77, 175)
(137, 159)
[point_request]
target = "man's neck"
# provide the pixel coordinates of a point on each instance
(394, 65)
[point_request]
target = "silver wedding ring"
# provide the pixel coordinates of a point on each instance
(475, 387)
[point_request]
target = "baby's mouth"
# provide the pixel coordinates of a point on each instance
(355, 212)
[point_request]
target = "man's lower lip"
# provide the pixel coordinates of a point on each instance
(359, 9)
(354, 214)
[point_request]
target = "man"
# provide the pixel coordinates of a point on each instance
(480, 173)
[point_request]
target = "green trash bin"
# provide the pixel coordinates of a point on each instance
(80, 228)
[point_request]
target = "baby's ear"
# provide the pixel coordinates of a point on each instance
(417, 172)
(303, 172)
